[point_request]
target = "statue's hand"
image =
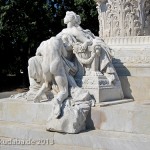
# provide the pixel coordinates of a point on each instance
(84, 46)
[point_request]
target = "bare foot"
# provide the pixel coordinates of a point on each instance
(37, 99)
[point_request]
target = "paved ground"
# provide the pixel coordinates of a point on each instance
(12, 92)
(7, 94)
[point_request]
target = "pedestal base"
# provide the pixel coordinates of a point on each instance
(119, 127)
(132, 63)
(100, 88)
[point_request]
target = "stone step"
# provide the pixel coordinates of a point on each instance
(24, 111)
(88, 140)
(127, 117)
(25, 131)
(130, 117)
(45, 147)
(114, 102)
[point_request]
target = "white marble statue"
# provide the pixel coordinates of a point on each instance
(53, 69)
(59, 63)
(86, 47)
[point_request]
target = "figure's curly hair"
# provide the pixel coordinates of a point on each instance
(76, 18)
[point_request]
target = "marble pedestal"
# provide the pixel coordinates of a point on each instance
(100, 89)
(132, 63)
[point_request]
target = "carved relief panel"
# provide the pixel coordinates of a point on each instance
(123, 17)
(146, 8)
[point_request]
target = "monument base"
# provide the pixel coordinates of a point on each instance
(119, 127)
(90, 140)
(100, 88)
(132, 63)
(136, 87)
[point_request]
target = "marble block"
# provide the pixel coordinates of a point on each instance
(100, 88)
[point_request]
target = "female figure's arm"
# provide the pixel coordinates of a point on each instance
(79, 35)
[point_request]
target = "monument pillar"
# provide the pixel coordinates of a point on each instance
(125, 27)
(123, 18)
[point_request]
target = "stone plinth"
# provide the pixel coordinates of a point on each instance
(128, 117)
(23, 111)
(132, 63)
(136, 87)
(131, 55)
(100, 88)
(130, 120)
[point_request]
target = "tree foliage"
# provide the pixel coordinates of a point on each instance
(87, 10)
(25, 23)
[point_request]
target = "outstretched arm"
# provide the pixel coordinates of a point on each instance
(80, 36)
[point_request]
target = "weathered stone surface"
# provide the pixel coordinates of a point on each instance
(130, 117)
(127, 33)
(25, 131)
(105, 140)
(131, 55)
(101, 89)
(132, 63)
(136, 87)
(116, 102)
(123, 18)
(45, 147)
(96, 140)
(24, 111)
(127, 117)
(72, 119)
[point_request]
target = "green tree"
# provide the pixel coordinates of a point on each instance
(87, 10)
(25, 23)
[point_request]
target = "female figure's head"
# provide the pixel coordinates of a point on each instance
(72, 18)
